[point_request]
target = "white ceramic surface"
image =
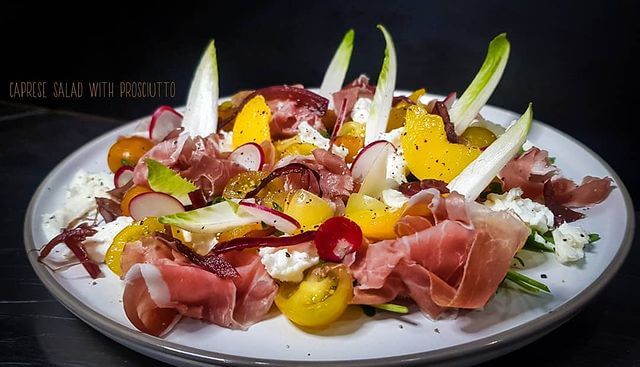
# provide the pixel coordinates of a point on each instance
(510, 320)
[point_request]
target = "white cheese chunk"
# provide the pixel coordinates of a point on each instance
(569, 242)
(98, 244)
(394, 198)
(536, 215)
(289, 263)
(226, 143)
(307, 134)
(360, 112)
(79, 201)
(396, 164)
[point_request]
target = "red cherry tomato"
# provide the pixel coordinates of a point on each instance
(337, 237)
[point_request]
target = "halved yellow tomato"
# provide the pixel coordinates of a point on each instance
(478, 137)
(374, 218)
(133, 232)
(308, 209)
(321, 297)
(127, 152)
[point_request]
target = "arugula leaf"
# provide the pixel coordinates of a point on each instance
(163, 179)
(533, 244)
(392, 308)
(478, 92)
(528, 284)
(337, 70)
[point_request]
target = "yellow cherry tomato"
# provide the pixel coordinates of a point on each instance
(129, 195)
(428, 153)
(321, 297)
(252, 123)
(238, 232)
(308, 209)
(133, 232)
(374, 218)
(353, 144)
(352, 128)
(478, 137)
(127, 152)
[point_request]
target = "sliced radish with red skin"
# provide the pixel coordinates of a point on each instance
(164, 120)
(122, 176)
(154, 204)
(337, 237)
(249, 156)
(365, 160)
(274, 218)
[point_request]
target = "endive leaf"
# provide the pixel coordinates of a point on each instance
(478, 92)
(201, 114)
(337, 70)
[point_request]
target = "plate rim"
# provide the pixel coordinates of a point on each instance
(477, 350)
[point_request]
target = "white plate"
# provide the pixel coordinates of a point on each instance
(509, 321)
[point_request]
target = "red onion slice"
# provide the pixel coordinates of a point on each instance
(249, 242)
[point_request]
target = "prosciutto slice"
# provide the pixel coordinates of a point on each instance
(540, 181)
(197, 159)
(161, 287)
(359, 88)
(457, 262)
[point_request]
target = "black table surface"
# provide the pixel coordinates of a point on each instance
(36, 330)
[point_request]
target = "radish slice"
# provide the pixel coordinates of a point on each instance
(280, 221)
(154, 204)
(249, 156)
(122, 176)
(365, 160)
(337, 237)
(164, 120)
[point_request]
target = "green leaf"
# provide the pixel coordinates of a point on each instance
(383, 98)
(593, 237)
(526, 283)
(478, 92)
(162, 179)
(337, 70)
(477, 175)
(392, 308)
(201, 113)
(277, 207)
(534, 245)
(210, 219)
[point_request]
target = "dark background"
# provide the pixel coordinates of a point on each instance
(575, 61)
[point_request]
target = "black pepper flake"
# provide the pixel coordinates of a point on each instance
(287, 254)
(543, 276)
(401, 326)
(436, 330)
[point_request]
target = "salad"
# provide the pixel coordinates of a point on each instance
(312, 200)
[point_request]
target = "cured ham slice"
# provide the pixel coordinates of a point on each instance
(335, 176)
(458, 262)
(161, 286)
(529, 172)
(197, 159)
(359, 88)
(539, 181)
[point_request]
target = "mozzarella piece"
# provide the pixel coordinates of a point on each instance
(360, 112)
(98, 244)
(226, 143)
(289, 263)
(536, 215)
(79, 201)
(569, 242)
(396, 164)
(394, 198)
(307, 134)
